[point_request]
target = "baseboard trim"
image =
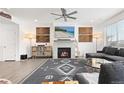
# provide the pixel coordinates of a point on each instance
(10, 60)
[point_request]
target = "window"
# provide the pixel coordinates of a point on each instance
(112, 33)
(120, 26)
(115, 33)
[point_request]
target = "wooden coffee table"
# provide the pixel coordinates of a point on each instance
(61, 82)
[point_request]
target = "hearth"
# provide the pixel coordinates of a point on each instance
(64, 52)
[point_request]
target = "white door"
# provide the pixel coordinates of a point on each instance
(9, 39)
(9, 43)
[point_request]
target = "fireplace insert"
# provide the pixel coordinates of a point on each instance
(64, 52)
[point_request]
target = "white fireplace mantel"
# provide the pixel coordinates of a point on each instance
(63, 44)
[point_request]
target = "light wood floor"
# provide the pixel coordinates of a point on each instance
(16, 71)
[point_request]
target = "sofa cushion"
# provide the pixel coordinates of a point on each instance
(95, 55)
(121, 52)
(104, 49)
(117, 52)
(112, 73)
(115, 58)
(108, 57)
(111, 51)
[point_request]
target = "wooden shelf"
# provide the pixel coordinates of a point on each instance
(42, 39)
(85, 34)
(42, 34)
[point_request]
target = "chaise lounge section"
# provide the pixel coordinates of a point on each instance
(111, 73)
(108, 53)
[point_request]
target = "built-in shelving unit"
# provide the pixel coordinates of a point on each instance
(85, 34)
(43, 34)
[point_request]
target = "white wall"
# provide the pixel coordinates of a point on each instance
(24, 44)
(114, 19)
(25, 47)
(84, 47)
(25, 27)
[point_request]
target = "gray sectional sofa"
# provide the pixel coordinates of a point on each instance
(111, 73)
(108, 53)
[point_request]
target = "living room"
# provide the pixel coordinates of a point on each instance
(61, 45)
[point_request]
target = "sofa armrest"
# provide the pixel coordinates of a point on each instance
(112, 73)
(87, 78)
(81, 79)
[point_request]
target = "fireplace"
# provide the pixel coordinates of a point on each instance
(64, 52)
(63, 49)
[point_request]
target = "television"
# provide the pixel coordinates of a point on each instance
(64, 32)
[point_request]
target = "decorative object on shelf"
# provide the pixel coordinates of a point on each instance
(65, 15)
(5, 15)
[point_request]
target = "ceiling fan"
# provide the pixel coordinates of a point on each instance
(65, 15)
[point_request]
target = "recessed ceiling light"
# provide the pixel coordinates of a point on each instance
(35, 20)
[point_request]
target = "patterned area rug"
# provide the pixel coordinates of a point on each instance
(58, 70)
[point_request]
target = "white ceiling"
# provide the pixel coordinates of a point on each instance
(84, 16)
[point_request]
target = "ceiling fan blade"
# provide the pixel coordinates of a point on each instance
(59, 18)
(56, 14)
(72, 17)
(63, 11)
(64, 14)
(72, 13)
